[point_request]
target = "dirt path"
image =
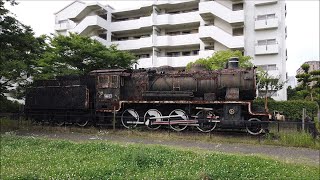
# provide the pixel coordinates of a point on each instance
(286, 154)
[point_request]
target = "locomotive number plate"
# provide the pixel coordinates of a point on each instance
(107, 96)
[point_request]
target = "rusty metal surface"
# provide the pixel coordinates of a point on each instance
(232, 94)
(57, 97)
(247, 104)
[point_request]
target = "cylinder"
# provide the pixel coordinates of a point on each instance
(233, 63)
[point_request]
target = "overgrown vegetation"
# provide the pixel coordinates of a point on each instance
(78, 55)
(19, 50)
(297, 139)
(7, 106)
(309, 87)
(219, 59)
(291, 109)
(33, 158)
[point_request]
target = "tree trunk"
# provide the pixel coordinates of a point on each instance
(266, 101)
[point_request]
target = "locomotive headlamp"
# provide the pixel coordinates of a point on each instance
(231, 111)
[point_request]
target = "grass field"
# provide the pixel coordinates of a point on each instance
(33, 158)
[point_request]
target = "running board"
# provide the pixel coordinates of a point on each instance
(165, 117)
(135, 122)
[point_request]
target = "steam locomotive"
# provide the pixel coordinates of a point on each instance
(155, 97)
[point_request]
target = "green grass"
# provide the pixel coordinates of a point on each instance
(34, 158)
(294, 139)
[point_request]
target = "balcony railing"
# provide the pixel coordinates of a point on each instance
(212, 8)
(266, 24)
(179, 61)
(131, 24)
(61, 26)
(145, 62)
(266, 49)
(182, 18)
(178, 40)
(161, 2)
(206, 53)
(141, 43)
(88, 23)
(221, 36)
(264, 2)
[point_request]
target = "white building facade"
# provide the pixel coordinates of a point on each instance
(174, 33)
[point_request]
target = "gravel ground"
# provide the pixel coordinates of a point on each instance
(286, 154)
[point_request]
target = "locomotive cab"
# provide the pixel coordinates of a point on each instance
(108, 86)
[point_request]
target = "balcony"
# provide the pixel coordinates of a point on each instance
(212, 8)
(162, 2)
(179, 61)
(131, 24)
(133, 44)
(266, 24)
(141, 43)
(81, 10)
(61, 26)
(206, 53)
(274, 73)
(264, 2)
(145, 62)
(172, 19)
(89, 23)
(266, 49)
(217, 34)
(178, 40)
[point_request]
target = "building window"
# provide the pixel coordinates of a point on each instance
(173, 33)
(123, 38)
(103, 36)
(186, 32)
(104, 16)
(139, 56)
(267, 42)
(173, 12)
(237, 7)
(237, 31)
(195, 52)
(268, 67)
(266, 16)
(186, 53)
(63, 21)
(210, 47)
(173, 54)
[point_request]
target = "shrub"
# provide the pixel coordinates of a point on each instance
(291, 109)
(7, 106)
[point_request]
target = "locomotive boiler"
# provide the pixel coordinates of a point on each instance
(156, 97)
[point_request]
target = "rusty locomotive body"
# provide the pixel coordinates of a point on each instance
(153, 98)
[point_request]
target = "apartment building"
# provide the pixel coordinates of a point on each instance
(174, 33)
(313, 65)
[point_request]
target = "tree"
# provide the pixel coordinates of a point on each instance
(268, 85)
(220, 58)
(293, 94)
(75, 54)
(309, 87)
(19, 51)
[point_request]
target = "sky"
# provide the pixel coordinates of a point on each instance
(302, 24)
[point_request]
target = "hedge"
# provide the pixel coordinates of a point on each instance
(7, 106)
(291, 109)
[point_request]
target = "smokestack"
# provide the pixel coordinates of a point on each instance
(233, 63)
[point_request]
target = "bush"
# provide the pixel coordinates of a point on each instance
(291, 109)
(293, 139)
(7, 106)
